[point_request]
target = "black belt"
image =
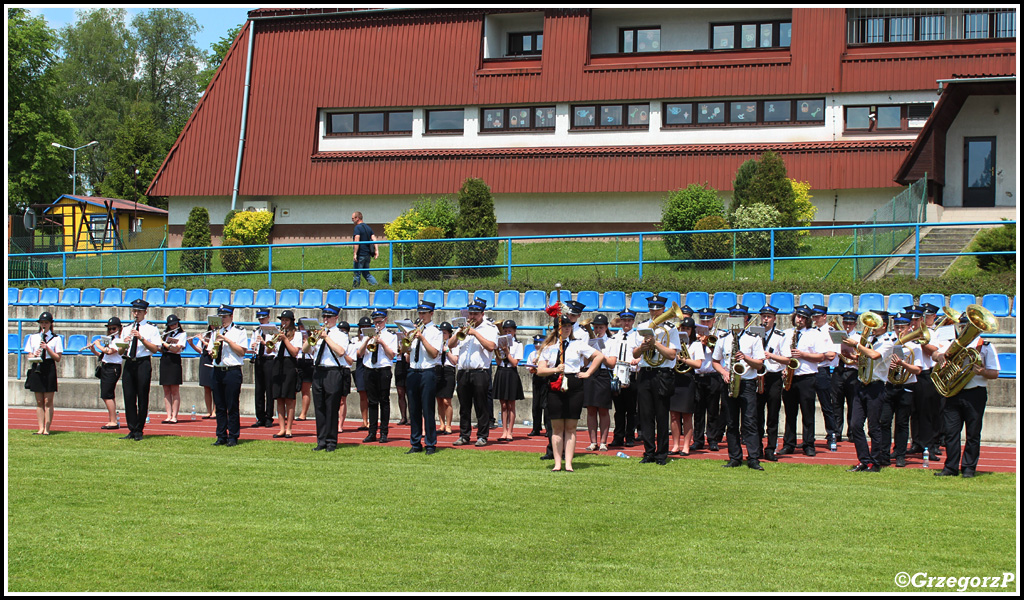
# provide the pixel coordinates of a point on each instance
(655, 368)
(823, 368)
(379, 368)
(323, 368)
(137, 359)
(234, 368)
(795, 377)
(427, 369)
(473, 370)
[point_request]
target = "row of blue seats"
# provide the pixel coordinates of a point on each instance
(505, 300)
(78, 344)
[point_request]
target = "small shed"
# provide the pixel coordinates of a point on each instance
(92, 223)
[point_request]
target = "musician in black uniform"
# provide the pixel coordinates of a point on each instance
(927, 400)
(708, 393)
(823, 381)
(227, 375)
(769, 395)
(425, 364)
(844, 381)
(624, 433)
(263, 373)
(331, 377)
(747, 347)
(655, 383)
(143, 340)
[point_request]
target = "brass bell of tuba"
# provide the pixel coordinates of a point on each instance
(867, 322)
(652, 356)
(953, 375)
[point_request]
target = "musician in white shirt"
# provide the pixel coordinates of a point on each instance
(227, 375)
(810, 350)
(143, 341)
(330, 374)
(741, 423)
(110, 370)
(476, 352)
(769, 395)
(655, 384)
(44, 351)
(377, 375)
(897, 400)
(425, 357)
(867, 405)
(508, 386)
(171, 344)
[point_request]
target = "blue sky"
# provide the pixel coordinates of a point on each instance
(215, 21)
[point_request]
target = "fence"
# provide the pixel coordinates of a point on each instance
(710, 255)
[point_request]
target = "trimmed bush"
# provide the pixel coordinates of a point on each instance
(708, 246)
(432, 254)
(476, 220)
(681, 210)
(238, 261)
(999, 239)
(754, 244)
(246, 228)
(197, 235)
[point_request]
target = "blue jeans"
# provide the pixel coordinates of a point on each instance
(362, 264)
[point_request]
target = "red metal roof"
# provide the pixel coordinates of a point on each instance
(117, 204)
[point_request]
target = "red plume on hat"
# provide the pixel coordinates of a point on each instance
(557, 309)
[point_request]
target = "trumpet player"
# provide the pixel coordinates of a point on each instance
(655, 383)
(425, 372)
(286, 374)
(377, 375)
(769, 395)
(897, 398)
(110, 370)
(966, 409)
(844, 380)
(926, 414)
(823, 380)
(263, 372)
(745, 352)
(867, 404)
(806, 344)
(682, 403)
(331, 378)
(626, 368)
(476, 351)
(708, 396)
(143, 341)
(227, 376)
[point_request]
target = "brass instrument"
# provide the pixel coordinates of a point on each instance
(949, 317)
(586, 324)
(834, 323)
(406, 343)
(792, 365)
(217, 345)
(712, 338)
(314, 336)
(652, 356)
(898, 375)
(684, 354)
(371, 346)
(738, 368)
(954, 374)
(868, 322)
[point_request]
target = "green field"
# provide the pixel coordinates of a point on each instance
(87, 512)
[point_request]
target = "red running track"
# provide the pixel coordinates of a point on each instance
(1001, 459)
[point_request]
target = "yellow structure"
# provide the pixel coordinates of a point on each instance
(93, 223)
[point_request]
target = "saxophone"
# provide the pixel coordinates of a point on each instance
(957, 371)
(791, 367)
(737, 367)
(683, 354)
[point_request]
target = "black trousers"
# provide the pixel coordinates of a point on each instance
(420, 388)
(227, 386)
(625, 413)
(742, 422)
(540, 404)
(474, 389)
(844, 386)
(896, 404)
(965, 410)
(769, 404)
(874, 398)
(136, 376)
(799, 396)
(823, 389)
(654, 388)
(929, 404)
(378, 394)
(326, 390)
(706, 414)
(263, 378)
(861, 403)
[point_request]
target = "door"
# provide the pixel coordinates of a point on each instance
(980, 171)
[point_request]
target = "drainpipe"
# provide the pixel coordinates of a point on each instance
(245, 113)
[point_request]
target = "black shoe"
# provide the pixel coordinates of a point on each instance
(661, 461)
(257, 424)
(786, 450)
(916, 449)
(268, 423)
(901, 462)
(617, 443)
(369, 438)
(138, 437)
(319, 447)
(534, 433)
(732, 463)
(938, 452)
(434, 451)
(647, 459)
(697, 446)
(967, 474)
(770, 455)
(414, 450)
(232, 442)
(219, 442)
(130, 436)
(384, 439)
(331, 448)
(629, 443)
(548, 456)
(810, 451)
(754, 464)
(858, 468)
(874, 469)
(713, 447)
(945, 473)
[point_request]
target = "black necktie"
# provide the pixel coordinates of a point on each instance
(320, 354)
(135, 342)
(416, 357)
(373, 355)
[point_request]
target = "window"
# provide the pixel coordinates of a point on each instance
(748, 36)
(888, 118)
(100, 233)
(369, 123)
(743, 112)
(518, 118)
(881, 26)
(525, 44)
(640, 39)
(445, 121)
(611, 116)
(677, 113)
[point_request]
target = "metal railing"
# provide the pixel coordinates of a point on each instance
(901, 25)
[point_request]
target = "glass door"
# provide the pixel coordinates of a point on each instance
(980, 171)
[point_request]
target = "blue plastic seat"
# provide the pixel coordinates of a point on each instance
(289, 298)
(934, 299)
(131, 295)
(155, 296)
(337, 298)
(487, 295)
(671, 297)
(383, 299)
(29, 297)
(839, 303)
(812, 298)
(436, 297)
(755, 301)
(527, 351)
(199, 298)
(220, 296)
(312, 298)
(456, 300)
(176, 297)
(50, 296)
(613, 302)
(1013, 311)
(1008, 365)
(959, 302)
(534, 300)
(91, 297)
(243, 298)
(563, 295)
(999, 304)
(76, 343)
(358, 299)
(507, 300)
(721, 302)
(870, 302)
(784, 301)
(407, 300)
(638, 301)
(70, 297)
(12, 296)
(898, 302)
(698, 300)
(590, 299)
(111, 297)
(12, 343)
(266, 297)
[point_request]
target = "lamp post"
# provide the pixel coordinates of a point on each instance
(74, 163)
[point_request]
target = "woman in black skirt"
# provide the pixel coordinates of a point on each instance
(304, 382)
(683, 401)
(597, 391)
(446, 381)
(44, 350)
(540, 388)
(110, 370)
(508, 387)
(563, 360)
(401, 373)
(200, 344)
(171, 344)
(289, 344)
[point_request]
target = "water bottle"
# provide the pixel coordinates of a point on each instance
(621, 454)
(147, 419)
(117, 417)
(527, 423)
(193, 412)
(499, 421)
(924, 462)
(832, 444)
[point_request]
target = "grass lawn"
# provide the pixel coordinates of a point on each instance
(88, 512)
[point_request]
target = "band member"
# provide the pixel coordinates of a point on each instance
(539, 393)
(844, 380)
(508, 387)
(966, 410)
(897, 399)
(564, 361)
(110, 370)
(926, 416)
(747, 348)
(331, 377)
(807, 345)
(681, 406)
(626, 368)
(143, 340)
(201, 344)
(709, 390)
(288, 344)
(474, 375)
(425, 357)
(597, 390)
(823, 382)
(346, 374)
(401, 367)
(227, 375)
(263, 372)
(575, 310)
(867, 404)
(304, 377)
(171, 345)
(446, 380)
(769, 395)
(44, 350)
(377, 353)
(655, 383)
(359, 372)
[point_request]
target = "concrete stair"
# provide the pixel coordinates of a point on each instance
(937, 239)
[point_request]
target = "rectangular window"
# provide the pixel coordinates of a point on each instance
(777, 111)
(724, 37)
(899, 26)
(743, 112)
(639, 39)
(518, 118)
(858, 117)
(638, 114)
(678, 113)
(446, 121)
(400, 122)
(525, 44)
(976, 26)
(901, 29)
(611, 116)
(932, 28)
(99, 232)
(1006, 24)
(341, 123)
(369, 123)
(744, 36)
(887, 118)
(810, 110)
(711, 112)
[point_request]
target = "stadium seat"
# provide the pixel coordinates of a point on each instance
(199, 298)
(12, 296)
(698, 300)
(783, 301)
(265, 298)
(590, 299)
(456, 300)
(12, 344)
(29, 297)
(50, 296)
(487, 295)
(435, 296)
(131, 295)
(91, 297)
(243, 298)
(638, 301)
(812, 298)
(337, 298)
(289, 298)
(220, 296)
(507, 300)
(999, 304)
(1013, 311)
(70, 297)
(898, 302)
(407, 300)
(613, 302)
(155, 296)
(176, 297)
(564, 296)
(527, 351)
(671, 297)
(1008, 365)
(76, 343)
(312, 298)
(870, 302)
(358, 299)
(721, 302)
(959, 302)
(839, 303)
(534, 300)
(755, 301)
(934, 299)
(93, 339)
(383, 299)
(111, 297)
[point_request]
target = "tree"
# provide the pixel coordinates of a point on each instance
(476, 220)
(218, 50)
(197, 235)
(136, 155)
(741, 184)
(165, 38)
(772, 187)
(680, 212)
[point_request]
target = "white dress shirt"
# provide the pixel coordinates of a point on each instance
(672, 342)
(472, 354)
(809, 340)
(575, 354)
(989, 359)
(35, 342)
(228, 358)
(330, 358)
(774, 346)
(750, 345)
(383, 361)
(147, 331)
(433, 336)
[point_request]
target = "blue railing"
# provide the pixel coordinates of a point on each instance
(392, 269)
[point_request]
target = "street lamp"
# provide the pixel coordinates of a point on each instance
(74, 163)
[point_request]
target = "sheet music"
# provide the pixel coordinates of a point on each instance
(505, 341)
(459, 322)
(597, 343)
(368, 331)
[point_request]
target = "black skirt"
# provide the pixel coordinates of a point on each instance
(684, 398)
(205, 370)
(305, 366)
(445, 382)
(401, 372)
(42, 377)
(597, 389)
(110, 373)
(568, 404)
(170, 369)
(507, 384)
(285, 377)
(357, 376)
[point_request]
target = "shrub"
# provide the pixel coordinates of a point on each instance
(197, 235)
(238, 261)
(476, 220)
(805, 209)
(708, 246)
(246, 228)
(231, 215)
(440, 213)
(754, 216)
(999, 239)
(741, 184)
(681, 210)
(432, 254)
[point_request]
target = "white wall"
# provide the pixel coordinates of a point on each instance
(497, 27)
(680, 30)
(978, 118)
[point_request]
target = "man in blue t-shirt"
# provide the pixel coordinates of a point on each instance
(362, 253)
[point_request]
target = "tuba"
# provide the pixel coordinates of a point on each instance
(949, 317)
(900, 375)
(684, 354)
(951, 376)
(867, 322)
(652, 356)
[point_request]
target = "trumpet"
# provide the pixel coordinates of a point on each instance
(867, 322)
(586, 324)
(957, 371)
(406, 342)
(712, 339)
